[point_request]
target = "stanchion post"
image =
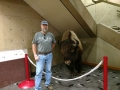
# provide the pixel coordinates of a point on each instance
(27, 67)
(28, 83)
(105, 73)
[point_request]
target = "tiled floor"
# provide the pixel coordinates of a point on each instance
(94, 81)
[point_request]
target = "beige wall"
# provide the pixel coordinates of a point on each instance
(18, 24)
(107, 43)
(105, 13)
(96, 48)
(82, 10)
(109, 35)
(58, 15)
(114, 1)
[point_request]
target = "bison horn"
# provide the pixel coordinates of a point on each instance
(75, 42)
(74, 45)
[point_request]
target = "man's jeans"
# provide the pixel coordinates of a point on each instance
(43, 59)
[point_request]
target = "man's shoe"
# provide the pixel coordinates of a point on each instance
(49, 87)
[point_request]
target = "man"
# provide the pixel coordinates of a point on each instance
(42, 46)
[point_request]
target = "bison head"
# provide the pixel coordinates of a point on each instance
(68, 50)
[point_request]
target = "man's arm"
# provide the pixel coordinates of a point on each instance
(53, 45)
(34, 49)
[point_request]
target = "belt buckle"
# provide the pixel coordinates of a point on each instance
(45, 53)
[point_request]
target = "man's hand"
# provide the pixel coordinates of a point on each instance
(36, 57)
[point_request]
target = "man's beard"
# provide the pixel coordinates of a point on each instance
(45, 30)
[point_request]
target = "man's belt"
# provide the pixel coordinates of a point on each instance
(44, 53)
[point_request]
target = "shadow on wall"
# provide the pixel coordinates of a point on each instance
(57, 57)
(88, 44)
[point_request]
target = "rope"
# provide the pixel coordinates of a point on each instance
(76, 77)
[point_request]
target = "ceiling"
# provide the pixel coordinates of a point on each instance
(57, 15)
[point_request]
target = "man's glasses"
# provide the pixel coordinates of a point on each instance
(44, 36)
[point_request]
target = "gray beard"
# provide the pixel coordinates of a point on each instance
(45, 30)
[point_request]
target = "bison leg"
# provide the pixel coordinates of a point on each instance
(78, 65)
(71, 70)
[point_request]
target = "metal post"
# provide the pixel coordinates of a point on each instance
(105, 73)
(28, 83)
(27, 67)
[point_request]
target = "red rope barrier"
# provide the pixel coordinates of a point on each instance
(105, 73)
(29, 83)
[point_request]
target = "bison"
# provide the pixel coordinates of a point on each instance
(72, 53)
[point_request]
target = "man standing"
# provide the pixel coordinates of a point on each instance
(42, 46)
